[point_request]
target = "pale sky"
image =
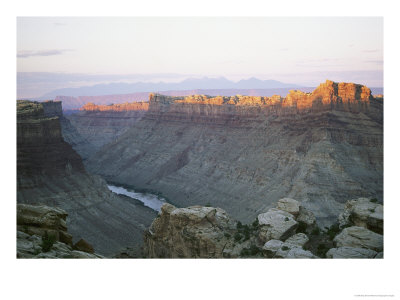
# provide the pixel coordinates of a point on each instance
(298, 50)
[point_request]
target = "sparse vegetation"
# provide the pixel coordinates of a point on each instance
(253, 250)
(227, 235)
(208, 204)
(321, 250)
(239, 225)
(332, 231)
(47, 242)
(301, 228)
(285, 248)
(237, 237)
(316, 231)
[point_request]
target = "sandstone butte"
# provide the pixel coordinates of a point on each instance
(134, 106)
(338, 95)
(347, 96)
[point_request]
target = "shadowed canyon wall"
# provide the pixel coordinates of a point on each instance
(50, 172)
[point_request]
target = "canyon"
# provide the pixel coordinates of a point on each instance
(217, 161)
(243, 153)
(51, 173)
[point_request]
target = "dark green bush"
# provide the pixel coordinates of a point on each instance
(284, 248)
(237, 237)
(227, 235)
(255, 223)
(333, 231)
(373, 200)
(302, 228)
(239, 225)
(321, 250)
(47, 242)
(316, 231)
(253, 250)
(286, 219)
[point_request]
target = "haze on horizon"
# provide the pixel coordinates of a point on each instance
(58, 52)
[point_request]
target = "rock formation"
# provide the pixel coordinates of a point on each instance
(96, 125)
(42, 233)
(50, 172)
(208, 232)
(133, 106)
(321, 148)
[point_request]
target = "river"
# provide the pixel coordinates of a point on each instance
(153, 201)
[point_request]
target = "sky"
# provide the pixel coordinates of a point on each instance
(299, 50)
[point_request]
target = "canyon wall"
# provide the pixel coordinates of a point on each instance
(50, 172)
(96, 125)
(244, 153)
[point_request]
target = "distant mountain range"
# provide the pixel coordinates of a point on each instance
(188, 84)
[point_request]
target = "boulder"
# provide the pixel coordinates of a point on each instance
(379, 255)
(292, 251)
(270, 247)
(43, 220)
(30, 246)
(276, 224)
(289, 205)
(359, 237)
(192, 232)
(363, 212)
(306, 216)
(350, 252)
(84, 246)
(299, 239)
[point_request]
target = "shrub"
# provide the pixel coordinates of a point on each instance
(284, 248)
(208, 204)
(321, 250)
(252, 251)
(255, 223)
(371, 210)
(301, 228)
(316, 231)
(237, 237)
(227, 235)
(47, 242)
(239, 225)
(286, 219)
(333, 231)
(373, 200)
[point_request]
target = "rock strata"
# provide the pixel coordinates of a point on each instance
(359, 237)
(363, 212)
(350, 252)
(276, 225)
(51, 173)
(321, 148)
(41, 220)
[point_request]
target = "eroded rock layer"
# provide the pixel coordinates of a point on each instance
(244, 153)
(50, 172)
(96, 125)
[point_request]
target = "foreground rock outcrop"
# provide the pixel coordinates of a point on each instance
(42, 233)
(208, 232)
(321, 148)
(51, 173)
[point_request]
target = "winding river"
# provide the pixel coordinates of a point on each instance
(153, 201)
